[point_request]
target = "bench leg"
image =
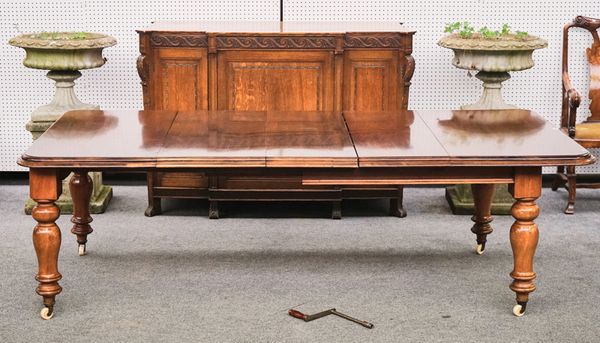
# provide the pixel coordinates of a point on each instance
(213, 209)
(336, 209)
(397, 205)
(154, 204)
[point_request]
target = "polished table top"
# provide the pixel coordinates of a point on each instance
(228, 139)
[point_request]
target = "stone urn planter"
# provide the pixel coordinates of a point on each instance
(494, 58)
(63, 54)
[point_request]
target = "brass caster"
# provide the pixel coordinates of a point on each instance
(519, 309)
(570, 209)
(46, 313)
(82, 250)
(480, 248)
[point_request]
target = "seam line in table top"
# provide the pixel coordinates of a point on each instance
(433, 134)
(351, 139)
(164, 139)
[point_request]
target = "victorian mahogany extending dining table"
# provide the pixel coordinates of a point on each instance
(481, 148)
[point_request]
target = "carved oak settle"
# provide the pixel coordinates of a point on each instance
(270, 66)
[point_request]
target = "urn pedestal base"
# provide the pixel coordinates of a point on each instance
(460, 199)
(491, 98)
(101, 196)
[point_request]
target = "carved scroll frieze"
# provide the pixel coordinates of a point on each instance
(196, 40)
(275, 42)
(372, 41)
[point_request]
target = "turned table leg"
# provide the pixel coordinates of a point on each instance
(81, 190)
(45, 189)
(482, 196)
(524, 234)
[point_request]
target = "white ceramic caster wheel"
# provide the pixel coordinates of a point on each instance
(479, 249)
(46, 314)
(82, 249)
(518, 310)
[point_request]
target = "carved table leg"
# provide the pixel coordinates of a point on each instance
(524, 234)
(396, 204)
(482, 197)
(45, 189)
(81, 190)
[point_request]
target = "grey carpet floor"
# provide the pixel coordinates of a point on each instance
(180, 277)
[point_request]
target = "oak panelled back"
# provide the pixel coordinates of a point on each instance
(267, 81)
(181, 79)
(269, 66)
(371, 81)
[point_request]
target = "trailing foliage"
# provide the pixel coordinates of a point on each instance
(465, 30)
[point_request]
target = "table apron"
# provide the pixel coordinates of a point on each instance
(411, 176)
(355, 176)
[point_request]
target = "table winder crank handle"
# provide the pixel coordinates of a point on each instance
(357, 321)
(310, 317)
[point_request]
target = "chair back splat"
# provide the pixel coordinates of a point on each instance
(593, 55)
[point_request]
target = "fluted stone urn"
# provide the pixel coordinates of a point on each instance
(63, 54)
(493, 58)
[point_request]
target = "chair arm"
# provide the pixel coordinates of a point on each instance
(573, 100)
(573, 95)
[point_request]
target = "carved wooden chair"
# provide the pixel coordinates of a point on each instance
(587, 133)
